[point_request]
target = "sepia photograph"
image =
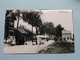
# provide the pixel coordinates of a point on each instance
(39, 32)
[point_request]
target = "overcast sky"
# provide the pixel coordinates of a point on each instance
(63, 17)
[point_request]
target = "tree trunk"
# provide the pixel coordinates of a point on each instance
(36, 31)
(17, 30)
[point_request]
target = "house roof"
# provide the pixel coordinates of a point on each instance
(66, 31)
(24, 31)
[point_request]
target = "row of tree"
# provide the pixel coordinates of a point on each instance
(49, 29)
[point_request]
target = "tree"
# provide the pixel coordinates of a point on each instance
(58, 30)
(48, 28)
(42, 29)
(17, 15)
(33, 18)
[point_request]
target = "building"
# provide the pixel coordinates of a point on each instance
(9, 26)
(11, 33)
(66, 35)
(23, 35)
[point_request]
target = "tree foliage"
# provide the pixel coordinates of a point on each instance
(48, 28)
(58, 30)
(33, 18)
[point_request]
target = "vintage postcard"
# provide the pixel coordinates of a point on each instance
(38, 31)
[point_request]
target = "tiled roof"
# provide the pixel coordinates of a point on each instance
(23, 30)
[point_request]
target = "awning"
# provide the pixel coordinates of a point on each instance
(42, 36)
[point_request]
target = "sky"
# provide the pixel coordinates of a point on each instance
(62, 17)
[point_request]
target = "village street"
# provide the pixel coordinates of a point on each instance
(27, 48)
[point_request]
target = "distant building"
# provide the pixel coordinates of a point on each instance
(66, 35)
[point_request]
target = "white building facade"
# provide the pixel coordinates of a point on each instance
(66, 35)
